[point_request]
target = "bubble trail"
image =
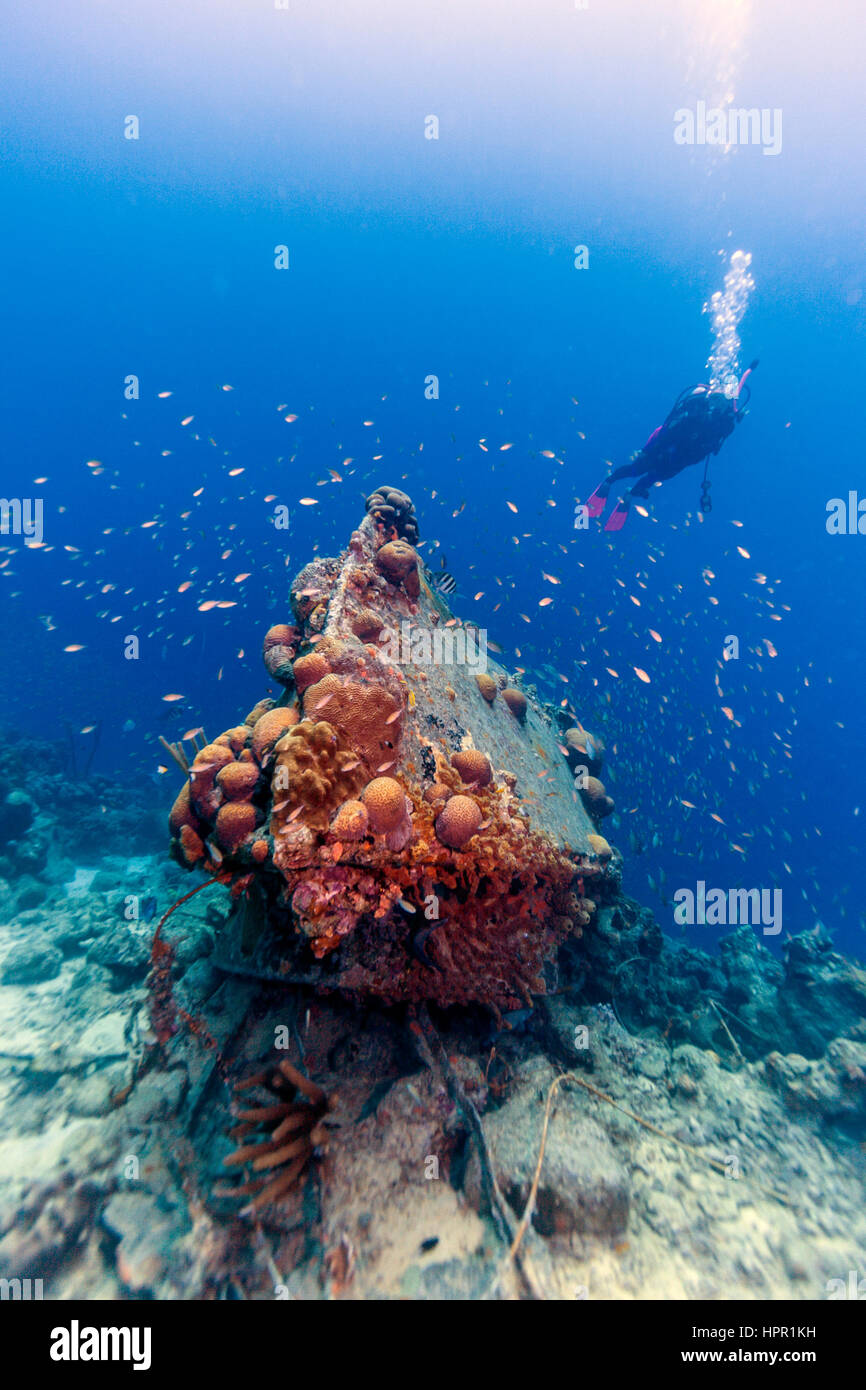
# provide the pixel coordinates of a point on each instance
(727, 308)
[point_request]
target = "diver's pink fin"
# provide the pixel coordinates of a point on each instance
(595, 504)
(617, 518)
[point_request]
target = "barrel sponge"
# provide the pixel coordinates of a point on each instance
(313, 769)
(361, 714)
(473, 766)
(488, 687)
(309, 669)
(270, 727)
(458, 821)
(385, 801)
(351, 821)
(516, 702)
(238, 781)
(399, 563)
(235, 821)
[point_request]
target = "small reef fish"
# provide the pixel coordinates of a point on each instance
(444, 582)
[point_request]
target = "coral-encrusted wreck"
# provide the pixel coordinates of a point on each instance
(401, 822)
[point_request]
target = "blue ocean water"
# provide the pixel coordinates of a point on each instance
(260, 127)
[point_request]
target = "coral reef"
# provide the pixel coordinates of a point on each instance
(342, 821)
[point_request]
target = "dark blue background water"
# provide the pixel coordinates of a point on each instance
(453, 257)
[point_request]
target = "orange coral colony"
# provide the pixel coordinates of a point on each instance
(362, 812)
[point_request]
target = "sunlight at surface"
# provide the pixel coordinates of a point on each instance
(715, 33)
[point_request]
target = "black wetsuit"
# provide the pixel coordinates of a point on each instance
(696, 428)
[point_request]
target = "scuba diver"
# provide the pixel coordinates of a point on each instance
(701, 420)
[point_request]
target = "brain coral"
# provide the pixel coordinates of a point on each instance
(399, 563)
(516, 702)
(596, 799)
(235, 821)
(599, 846)
(280, 635)
(385, 801)
(458, 821)
(488, 687)
(238, 781)
(367, 717)
(278, 649)
(473, 766)
(270, 728)
(205, 797)
(236, 739)
(367, 625)
(584, 748)
(314, 770)
(350, 821)
(259, 708)
(437, 791)
(309, 669)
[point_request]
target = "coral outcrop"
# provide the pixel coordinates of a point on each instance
(384, 829)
